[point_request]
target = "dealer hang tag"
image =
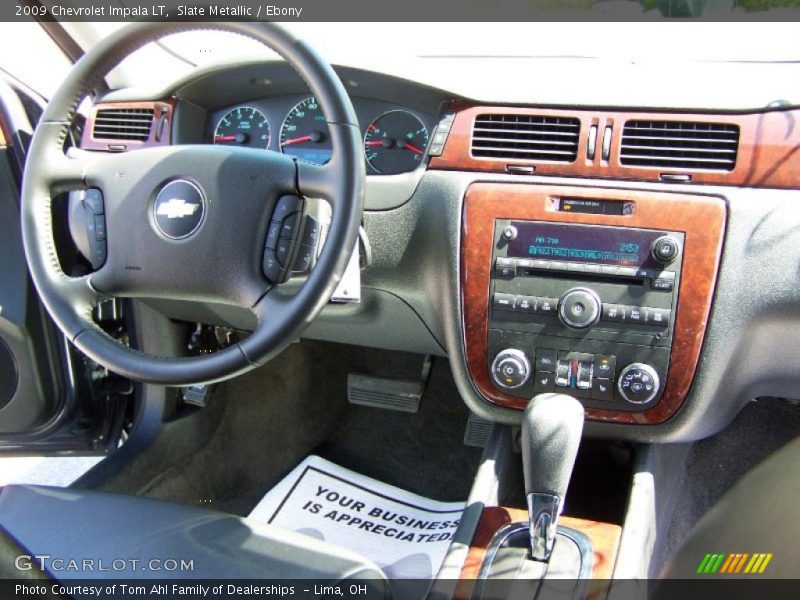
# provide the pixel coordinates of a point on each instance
(349, 288)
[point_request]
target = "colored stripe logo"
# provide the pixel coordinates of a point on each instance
(728, 564)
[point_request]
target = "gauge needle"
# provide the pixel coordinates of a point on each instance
(225, 138)
(297, 140)
(412, 147)
(314, 137)
(374, 143)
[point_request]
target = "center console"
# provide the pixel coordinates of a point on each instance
(600, 294)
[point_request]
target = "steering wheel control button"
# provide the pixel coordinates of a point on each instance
(289, 226)
(511, 369)
(579, 308)
(303, 259)
(93, 199)
(286, 206)
(272, 269)
(283, 251)
(638, 383)
(310, 235)
(665, 249)
(179, 209)
(273, 235)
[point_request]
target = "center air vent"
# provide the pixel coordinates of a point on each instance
(123, 124)
(680, 145)
(526, 137)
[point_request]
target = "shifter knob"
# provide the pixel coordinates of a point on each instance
(551, 433)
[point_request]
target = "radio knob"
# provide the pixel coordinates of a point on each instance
(511, 368)
(579, 308)
(665, 249)
(638, 383)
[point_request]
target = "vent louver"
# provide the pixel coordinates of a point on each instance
(123, 124)
(526, 137)
(680, 145)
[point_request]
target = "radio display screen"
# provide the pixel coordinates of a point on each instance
(621, 246)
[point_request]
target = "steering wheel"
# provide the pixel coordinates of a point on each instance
(221, 260)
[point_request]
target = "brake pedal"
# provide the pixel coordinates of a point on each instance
(380, 392)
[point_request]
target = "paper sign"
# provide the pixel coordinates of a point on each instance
(405, 534)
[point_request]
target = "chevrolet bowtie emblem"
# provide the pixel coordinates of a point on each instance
(176, 208)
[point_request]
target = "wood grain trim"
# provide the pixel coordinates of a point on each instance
(604, 536)
(769, 147)
(701, 218)
(163, 108)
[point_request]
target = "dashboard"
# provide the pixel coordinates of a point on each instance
(395, 136)
(523, 241)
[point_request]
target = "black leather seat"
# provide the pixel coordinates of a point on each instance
(82, 525)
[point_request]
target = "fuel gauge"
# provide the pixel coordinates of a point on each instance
(395, 142)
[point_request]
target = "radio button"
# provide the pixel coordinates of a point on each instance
(614, 312)
(505, 267)
(605, 366)
(626, 272)
(526, 304)
(644, 273)
(608, 269)
(635, 314)
(506, 302)
(658, 317)
(547, 306)
(546, 360)
(579, 308)
(662, 285)
(540, 265)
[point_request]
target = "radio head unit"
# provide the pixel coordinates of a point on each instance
(584, 309)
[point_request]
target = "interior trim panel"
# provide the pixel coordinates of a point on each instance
(700, 218)
(768, 147)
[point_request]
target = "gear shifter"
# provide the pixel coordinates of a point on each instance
(551, 432)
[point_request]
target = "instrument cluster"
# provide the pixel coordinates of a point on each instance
(395, 137)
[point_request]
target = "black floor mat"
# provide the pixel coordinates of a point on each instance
(715, 464)
(422, 453)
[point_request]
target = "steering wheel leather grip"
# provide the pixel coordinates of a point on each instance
(221, 262)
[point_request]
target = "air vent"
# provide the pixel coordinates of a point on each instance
(123, 124)
(526, 137)
(680, 145)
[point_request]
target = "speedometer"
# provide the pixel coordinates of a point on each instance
(243, 126)
(305, 134)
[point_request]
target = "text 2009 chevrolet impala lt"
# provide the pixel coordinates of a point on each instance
(463, 322)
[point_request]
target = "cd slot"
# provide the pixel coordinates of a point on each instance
(598, 278)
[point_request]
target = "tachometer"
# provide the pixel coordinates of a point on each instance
(395, 142)
(305, 134)
(243, 126)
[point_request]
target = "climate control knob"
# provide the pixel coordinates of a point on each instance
(638, 383)
(579, 308)
(511, 368)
